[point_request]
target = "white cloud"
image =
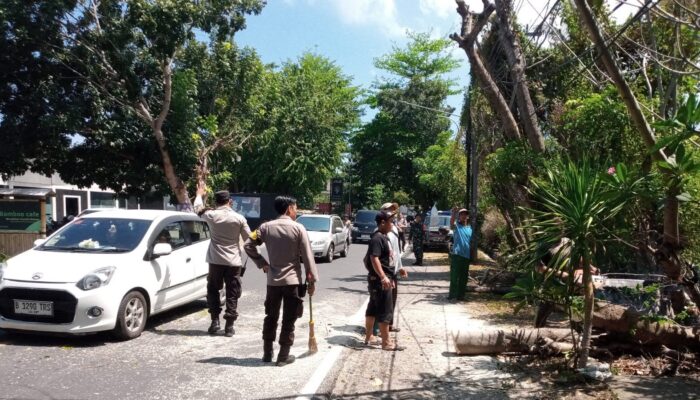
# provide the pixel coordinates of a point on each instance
(378, 13)
(440, 8)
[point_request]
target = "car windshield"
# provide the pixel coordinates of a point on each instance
(442, 221)
(365, 217)
(114, 235)
(315, 224)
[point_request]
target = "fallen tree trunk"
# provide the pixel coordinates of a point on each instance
(490, 289)
(627, 321)
(552, 341)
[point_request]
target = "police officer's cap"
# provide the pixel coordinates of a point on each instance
(222, 196)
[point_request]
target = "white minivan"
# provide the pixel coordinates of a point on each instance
(106, 271)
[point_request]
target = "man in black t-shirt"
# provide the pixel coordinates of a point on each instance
(380, 282)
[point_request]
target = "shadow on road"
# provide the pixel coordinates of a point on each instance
(44, 339)
(239, 362)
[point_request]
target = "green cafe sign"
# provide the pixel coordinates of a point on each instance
(20, 215)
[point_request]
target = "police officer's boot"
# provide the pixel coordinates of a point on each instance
(283, 357)
(228, 329)
(267, 351)
(214, 327)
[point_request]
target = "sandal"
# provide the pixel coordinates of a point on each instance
(393, 347)
(394, 329)
(374, 341)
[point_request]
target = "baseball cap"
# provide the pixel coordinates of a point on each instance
(383, 216)
(390, 207)
(462, 210)
(222, 196)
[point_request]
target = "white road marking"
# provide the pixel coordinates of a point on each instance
(329, 360)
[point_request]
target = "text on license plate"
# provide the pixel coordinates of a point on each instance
(31, 307)
(364, 236)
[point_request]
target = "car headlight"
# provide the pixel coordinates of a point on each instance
(318, 243)
(3, 265)
(355, 229)
(97, 278)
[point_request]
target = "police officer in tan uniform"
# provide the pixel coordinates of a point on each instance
(227, 227)
(286, 241)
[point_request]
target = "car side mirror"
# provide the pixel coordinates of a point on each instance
(39, 242)
(338, 230)
(162, 249)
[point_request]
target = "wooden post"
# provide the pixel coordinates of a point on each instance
(42, 216)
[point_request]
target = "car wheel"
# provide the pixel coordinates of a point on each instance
(344, 253)
(132, 316)
(331, 253)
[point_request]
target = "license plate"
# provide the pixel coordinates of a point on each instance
(30, 307)
(364, 236)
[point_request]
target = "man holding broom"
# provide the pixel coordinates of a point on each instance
(286, 241)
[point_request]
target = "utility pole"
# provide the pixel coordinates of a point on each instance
(472, 175)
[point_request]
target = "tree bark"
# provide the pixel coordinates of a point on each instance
(628, 322)
(467, 40)
(587, 314)
(516, 62)
(513, 341)
(176, 184)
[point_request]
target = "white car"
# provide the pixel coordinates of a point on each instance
(106, 271)
(327, 235)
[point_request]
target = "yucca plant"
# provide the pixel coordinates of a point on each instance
(577, 202)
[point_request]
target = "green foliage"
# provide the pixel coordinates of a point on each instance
(423, 58)
(112, 62)
(442, 171)
(690, 221)
(310, 107)
(411, 115)
(375, 195)
(598, 126)
(401, 197)
(514, 162)
(37, 118)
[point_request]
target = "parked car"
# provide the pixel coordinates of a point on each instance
(109, 270)
(327, 235)
(438, 235)
(94, 210)
(364, 225)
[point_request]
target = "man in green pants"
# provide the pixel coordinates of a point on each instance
(460, 254)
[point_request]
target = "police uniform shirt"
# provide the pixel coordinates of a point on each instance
(286, 240)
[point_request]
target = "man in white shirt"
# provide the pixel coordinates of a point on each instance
(396, 252)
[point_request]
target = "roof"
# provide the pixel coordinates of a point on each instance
(318, 216)
(24, 193)
(139, 214)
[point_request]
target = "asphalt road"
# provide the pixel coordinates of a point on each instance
(176, 359)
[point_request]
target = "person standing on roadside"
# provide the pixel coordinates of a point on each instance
(286, 241)
(402, 226)
(416, 234)
(461, 253)
(380, 282)
(227, 227)
(394, 240)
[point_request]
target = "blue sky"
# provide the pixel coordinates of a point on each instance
(355, 32)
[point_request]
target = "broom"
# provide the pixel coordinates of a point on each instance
(313, 347)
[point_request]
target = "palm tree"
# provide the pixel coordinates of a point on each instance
(577, 202)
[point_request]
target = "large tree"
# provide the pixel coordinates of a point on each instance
(120, 57)
(309, 107)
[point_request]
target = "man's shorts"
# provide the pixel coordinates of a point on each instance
(381, 303)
